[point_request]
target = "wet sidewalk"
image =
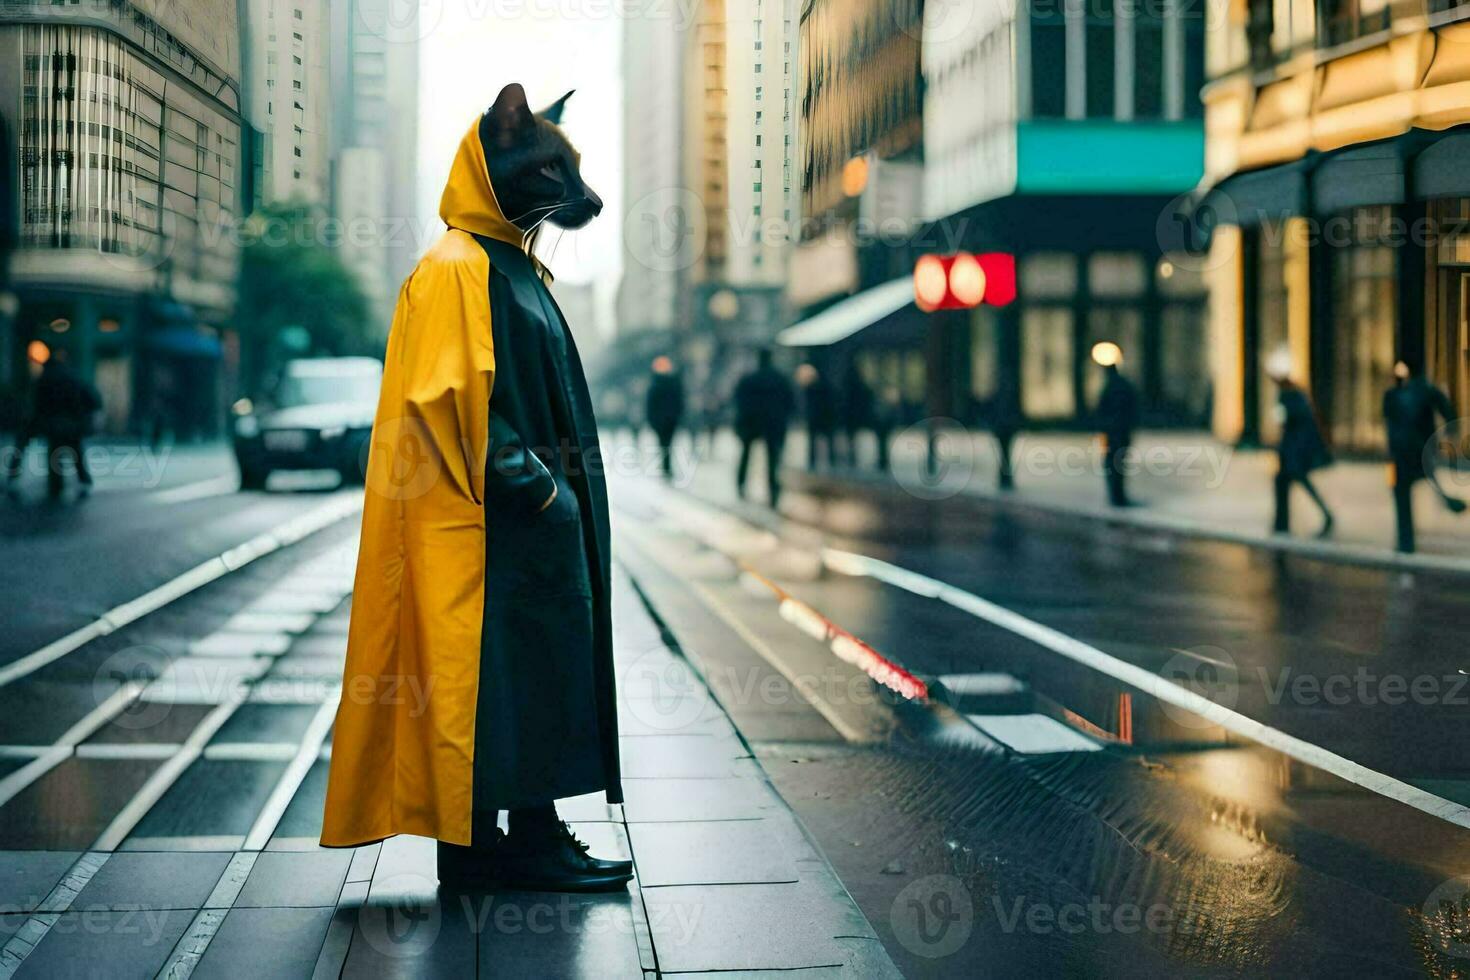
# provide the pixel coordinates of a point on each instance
(1183, 482)
(211, 868)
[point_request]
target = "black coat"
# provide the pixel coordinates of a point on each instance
(819, 403)
(764, 402)
(64, 404)
(1302, 448)
(547, 727)
(1117, 411)
(665, 405)
(1411, 413)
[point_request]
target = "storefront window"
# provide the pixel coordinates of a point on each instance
(1049, 275)
(1047, 356)
(983, 351)
(1116, 284)
(1344, 20)
(1364, 288)
(1271, 343)
(1184, 369)
(1447, 334)
(1123, 325)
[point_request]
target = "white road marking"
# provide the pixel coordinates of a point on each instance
(62, 749)
(848, 731)
(215, 486)
(1033, 734)
(28, 936)
(127, 750)
(165, 776)
(251, 751)
(291, 779)
(1150, 683)
(288, 533)
(196, 939)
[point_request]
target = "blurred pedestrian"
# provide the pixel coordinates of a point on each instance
(887, 413)
(764, 403)
(664, 410)
(1300, 451)
(858, 410)
(1411, 409)
(819, 405)
(1001, 413)
(62, 411)
(1117, 417)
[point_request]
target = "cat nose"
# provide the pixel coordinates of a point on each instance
(594, 201)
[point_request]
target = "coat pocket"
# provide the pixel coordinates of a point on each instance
(544, 555)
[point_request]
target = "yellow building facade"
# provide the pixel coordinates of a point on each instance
(1338, 167)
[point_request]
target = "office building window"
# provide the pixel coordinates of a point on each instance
(1100, 59)
(1365, 316)
(1148, 63)
(1048, 67)
(1344, 20)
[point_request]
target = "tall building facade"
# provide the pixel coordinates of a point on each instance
(658, 235)
(1054, 136)
(738, 135)
(1089, 127)
(375, 129)
(1338, 154)
(860, 141)
(128, 148)
(288, 78)
(859, 165)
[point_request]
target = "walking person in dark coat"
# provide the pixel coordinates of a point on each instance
(1411, 409)
(1001, 412)
(664, 410)
(1117, 417)
(764, 403)
(61, 414)
(819, 405)
(1300, 451)
(858, 410)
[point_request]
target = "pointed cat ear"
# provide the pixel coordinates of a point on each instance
(552, 113)
(510, 113)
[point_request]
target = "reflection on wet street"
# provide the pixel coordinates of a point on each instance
(1063, 805)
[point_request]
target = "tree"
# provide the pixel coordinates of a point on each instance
(291, 275)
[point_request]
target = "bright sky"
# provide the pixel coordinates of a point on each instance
(473, 48)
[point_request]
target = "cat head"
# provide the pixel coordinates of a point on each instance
(534, 169)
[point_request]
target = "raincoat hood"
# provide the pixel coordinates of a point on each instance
(468, 202)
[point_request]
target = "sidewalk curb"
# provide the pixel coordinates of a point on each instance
(1344, 554)
(671, 641)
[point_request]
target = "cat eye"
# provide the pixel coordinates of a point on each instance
(551, 170)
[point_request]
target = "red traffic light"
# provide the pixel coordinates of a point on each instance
(962, 280)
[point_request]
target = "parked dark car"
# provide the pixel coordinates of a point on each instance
(319, 416)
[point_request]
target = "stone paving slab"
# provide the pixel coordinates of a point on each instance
(726, 877)
(727, 880)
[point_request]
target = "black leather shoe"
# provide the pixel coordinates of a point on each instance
(553, 860)
(470, 867)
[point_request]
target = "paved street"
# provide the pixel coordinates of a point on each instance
(872, 735)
